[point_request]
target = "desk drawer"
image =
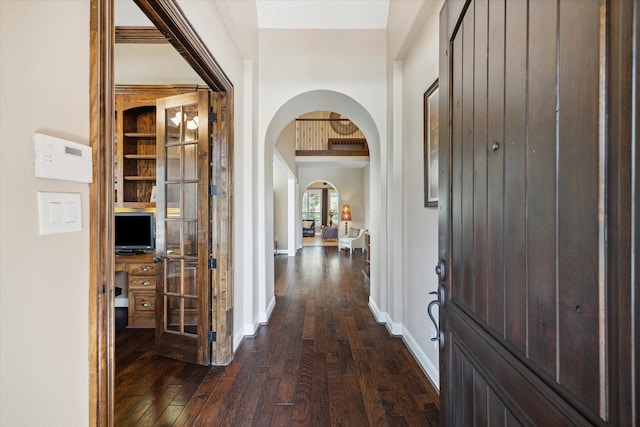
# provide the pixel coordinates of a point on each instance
(142, 269)
(142, 309)
(141, 283)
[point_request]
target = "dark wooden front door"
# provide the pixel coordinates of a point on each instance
(535, 213)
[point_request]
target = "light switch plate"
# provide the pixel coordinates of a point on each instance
(59, 212)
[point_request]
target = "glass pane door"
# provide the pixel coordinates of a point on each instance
(182, 213)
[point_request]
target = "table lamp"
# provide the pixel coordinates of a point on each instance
(346, 216)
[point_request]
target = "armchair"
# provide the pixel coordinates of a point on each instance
(354, 239)
(308, 228)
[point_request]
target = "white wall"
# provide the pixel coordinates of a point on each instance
(132, 63)
(208, 19)
(44, 280)
(280, 209)
(286, 147)
(420, 224)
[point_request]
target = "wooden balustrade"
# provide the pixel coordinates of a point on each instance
(329, 137)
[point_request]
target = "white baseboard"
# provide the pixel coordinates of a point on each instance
(250, 329)
(380, 316)
(270, 307)
(431, 371)
(247, 330)
(394, 328)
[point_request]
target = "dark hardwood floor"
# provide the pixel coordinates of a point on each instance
(321, 361)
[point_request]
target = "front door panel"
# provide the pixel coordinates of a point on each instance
(529, 316)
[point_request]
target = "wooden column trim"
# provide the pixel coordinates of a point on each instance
(101, 207)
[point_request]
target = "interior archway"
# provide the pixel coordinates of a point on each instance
(319, 100)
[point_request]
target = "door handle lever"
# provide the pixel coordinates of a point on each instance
(439, 302)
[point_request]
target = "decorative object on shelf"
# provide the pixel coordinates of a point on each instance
(341, 124)
(154, 194)
(346, 216)
(431, 146)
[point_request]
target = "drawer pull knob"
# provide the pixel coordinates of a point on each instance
(146, 283)
(145, 268)
(145, 304)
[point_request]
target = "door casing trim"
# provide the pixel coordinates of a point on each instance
(167, 16)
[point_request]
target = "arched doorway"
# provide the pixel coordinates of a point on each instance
(374, 204)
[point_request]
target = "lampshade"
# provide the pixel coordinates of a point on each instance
(346, 213)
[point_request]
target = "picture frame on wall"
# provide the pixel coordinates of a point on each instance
(431, 146)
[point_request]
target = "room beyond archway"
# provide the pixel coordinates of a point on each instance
(320, 214)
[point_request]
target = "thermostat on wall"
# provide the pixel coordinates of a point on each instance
(60, 159)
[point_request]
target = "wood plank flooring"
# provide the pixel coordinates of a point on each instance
(321, 361)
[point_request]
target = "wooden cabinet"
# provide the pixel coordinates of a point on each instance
(135, 139)
(141, 274)
(142, 294)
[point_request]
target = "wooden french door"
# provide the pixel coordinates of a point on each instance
(183, 303)
(538, 299)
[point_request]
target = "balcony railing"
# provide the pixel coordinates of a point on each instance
(329, 137)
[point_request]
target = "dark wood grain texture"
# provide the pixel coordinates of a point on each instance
(321, 360)
(495, 170)
(541, 191)
(515, 185)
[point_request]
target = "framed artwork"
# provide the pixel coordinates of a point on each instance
(431, 146)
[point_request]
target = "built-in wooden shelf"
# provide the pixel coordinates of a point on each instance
(139, 178)
(140, 135)
(140, 156)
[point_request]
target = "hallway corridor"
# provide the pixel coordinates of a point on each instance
(321, 361)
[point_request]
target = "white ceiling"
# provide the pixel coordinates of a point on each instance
(322, 14)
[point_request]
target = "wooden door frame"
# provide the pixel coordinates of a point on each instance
(167, 16)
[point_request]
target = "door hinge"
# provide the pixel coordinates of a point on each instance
(213, 263)
(213, 117)
(211, 337)
(213, 190)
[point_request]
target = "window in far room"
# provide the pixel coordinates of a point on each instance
(333, 207)
(312, 206)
